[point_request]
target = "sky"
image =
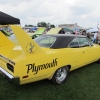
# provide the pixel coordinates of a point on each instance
(86, 13)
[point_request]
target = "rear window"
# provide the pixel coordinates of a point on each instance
(45, 41)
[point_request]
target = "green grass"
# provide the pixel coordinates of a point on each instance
(82, 84)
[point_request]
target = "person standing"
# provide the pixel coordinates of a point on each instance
(76, 32)
(98, 38)
(89, 36)
(95, 37)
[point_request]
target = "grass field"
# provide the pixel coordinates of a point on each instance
(82, 84)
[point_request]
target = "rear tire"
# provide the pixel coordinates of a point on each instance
(98, 61)
(60, 76)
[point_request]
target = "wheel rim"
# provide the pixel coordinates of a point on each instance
(61, 75)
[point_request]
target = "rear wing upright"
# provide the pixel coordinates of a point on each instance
(4, 41)
(28, 45)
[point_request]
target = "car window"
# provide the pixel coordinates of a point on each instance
(45, 41)
(13, 39)
(74, 44)
(83, 42)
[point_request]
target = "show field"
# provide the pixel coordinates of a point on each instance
(82, 84)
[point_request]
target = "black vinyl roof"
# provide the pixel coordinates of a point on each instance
(62, 40)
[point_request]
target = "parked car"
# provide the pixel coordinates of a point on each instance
(35, 36)
(46, 57)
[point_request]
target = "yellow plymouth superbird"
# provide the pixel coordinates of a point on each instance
(46, 57)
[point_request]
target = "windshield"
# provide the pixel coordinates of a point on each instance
(45, 41)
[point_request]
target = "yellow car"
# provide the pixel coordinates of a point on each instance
(46, 57)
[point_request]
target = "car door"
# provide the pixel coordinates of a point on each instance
(76, 54)
(83, 54)
(88, 51)
(95, 51)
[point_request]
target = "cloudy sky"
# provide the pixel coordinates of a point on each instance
(86, 13)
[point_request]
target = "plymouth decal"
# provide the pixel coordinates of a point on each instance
(34, 68)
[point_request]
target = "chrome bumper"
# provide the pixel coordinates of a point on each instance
(9, 76)
(6, 73)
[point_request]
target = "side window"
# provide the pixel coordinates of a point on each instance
(74, 44)
(83, 42)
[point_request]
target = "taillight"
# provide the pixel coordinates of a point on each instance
(25, 76)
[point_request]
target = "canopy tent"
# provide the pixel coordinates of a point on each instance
(7, 19)
(95, 29)
(34, 28)
(54, 31)
(76, 29)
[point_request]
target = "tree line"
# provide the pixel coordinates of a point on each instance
(42, 24)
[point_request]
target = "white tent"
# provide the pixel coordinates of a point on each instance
(92, 30)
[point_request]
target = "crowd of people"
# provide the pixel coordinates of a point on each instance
(94, 37)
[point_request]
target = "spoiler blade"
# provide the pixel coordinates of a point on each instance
(28, 45)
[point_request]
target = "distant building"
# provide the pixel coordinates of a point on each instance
(71, 26)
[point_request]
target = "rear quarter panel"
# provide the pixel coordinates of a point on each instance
(40, 66)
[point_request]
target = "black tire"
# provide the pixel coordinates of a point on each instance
(60, 76)
(98, 61)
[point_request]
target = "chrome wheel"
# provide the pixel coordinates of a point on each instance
(60, 75)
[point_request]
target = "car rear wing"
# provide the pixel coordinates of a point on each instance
(4, 41)
(28, 45)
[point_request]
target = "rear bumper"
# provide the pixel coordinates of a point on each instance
(16, 80)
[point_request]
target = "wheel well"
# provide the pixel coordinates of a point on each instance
(69, 66)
